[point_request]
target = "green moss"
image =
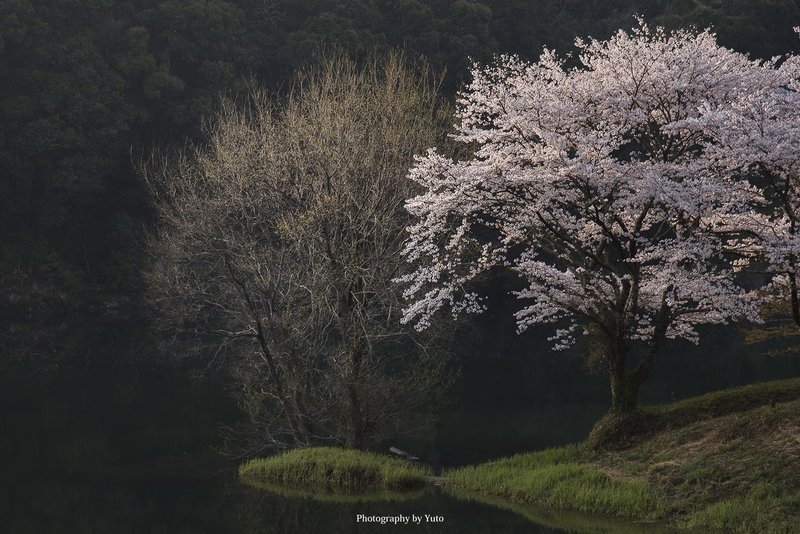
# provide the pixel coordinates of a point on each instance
(328, 468)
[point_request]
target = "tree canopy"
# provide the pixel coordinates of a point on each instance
(616, 189)
(86, 84)
(280, 235)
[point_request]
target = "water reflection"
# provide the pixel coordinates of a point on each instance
(563, 521)
(101, 432)
(269, 513)
(224, 506)
(336, 497)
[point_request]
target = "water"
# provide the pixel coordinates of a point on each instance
(218, 506)
(100, 431)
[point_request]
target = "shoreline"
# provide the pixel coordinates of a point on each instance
(728, 460)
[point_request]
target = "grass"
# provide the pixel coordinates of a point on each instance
(724, 402)
(562, 478)
(329, 468)
(728, 460)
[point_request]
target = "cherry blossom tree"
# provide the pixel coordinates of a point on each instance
(757, 135)
(616, 189)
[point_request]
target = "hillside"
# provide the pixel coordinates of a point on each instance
(728, 460)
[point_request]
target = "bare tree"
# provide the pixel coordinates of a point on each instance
(280, 237)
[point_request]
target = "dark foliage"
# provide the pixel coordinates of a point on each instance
(86, 84)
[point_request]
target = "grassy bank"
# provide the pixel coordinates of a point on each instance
(728, 460)
(564, 479)
(334, 469)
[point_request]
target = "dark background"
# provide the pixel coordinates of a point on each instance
(88, 86)
(103, 432)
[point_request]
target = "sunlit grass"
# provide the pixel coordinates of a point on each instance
(559, 478)
(724, 402)
(336, 469)
(763, 509)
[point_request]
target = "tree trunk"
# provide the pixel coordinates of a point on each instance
(355, 417)
(355, 434)
(625, 386)
(624, 421)
(305, 423)
(625, 392)
(358, 345)
(794, 298)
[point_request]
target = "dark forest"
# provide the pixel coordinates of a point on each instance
(90, 87)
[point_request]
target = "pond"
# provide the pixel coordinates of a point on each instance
(101, 431)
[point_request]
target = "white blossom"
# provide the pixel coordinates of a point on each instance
(616, 189)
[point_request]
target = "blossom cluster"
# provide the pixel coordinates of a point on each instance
(632, 183)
